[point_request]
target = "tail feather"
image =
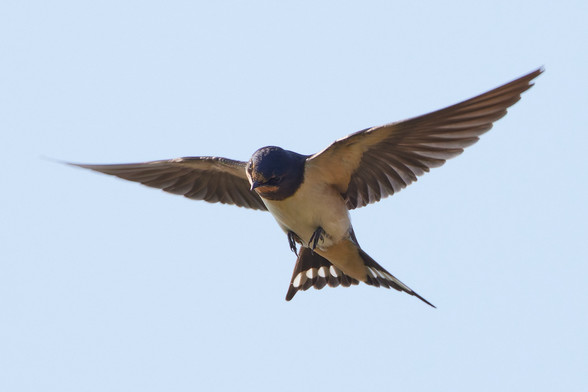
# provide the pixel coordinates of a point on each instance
(377, 276)
(313, 270)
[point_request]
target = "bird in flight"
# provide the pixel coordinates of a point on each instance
(310, 195)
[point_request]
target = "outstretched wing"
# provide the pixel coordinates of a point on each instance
(377, 162)
(211, 179)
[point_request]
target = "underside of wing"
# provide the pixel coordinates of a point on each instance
(211, 179)
(377, 162)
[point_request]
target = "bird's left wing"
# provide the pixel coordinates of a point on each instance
(211, 179)
(377, 162)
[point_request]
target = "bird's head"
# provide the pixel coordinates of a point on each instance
(275, 173)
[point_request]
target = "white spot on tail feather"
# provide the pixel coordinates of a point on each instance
(297, 282)
(334, 271)
(379, 273)
(396, 281)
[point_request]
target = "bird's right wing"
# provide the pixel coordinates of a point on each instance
(211, 179)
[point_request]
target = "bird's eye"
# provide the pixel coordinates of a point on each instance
(274, 180)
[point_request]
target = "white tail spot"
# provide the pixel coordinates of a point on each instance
(399, 283)
(334, 271)
(297, 282)
(379, 273)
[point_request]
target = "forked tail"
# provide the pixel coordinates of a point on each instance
(313, 270)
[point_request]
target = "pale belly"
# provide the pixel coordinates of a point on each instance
(310, 207)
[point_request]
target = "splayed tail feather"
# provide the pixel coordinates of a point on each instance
(314, 270)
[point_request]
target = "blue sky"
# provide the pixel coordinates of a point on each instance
(106, 285)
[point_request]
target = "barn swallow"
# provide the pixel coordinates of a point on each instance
(310, 195)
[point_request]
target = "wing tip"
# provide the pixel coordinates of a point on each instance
(62, 162)
(529, 77)
(538, 71)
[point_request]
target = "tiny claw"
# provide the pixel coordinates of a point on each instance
(292, 238)
(316, 236)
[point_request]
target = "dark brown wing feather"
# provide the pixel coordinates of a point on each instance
(201, 178)
(377, 162)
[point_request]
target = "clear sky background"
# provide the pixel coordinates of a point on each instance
(106, 285)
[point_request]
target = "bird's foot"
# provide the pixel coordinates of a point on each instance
(292, 239)
(315, 237)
